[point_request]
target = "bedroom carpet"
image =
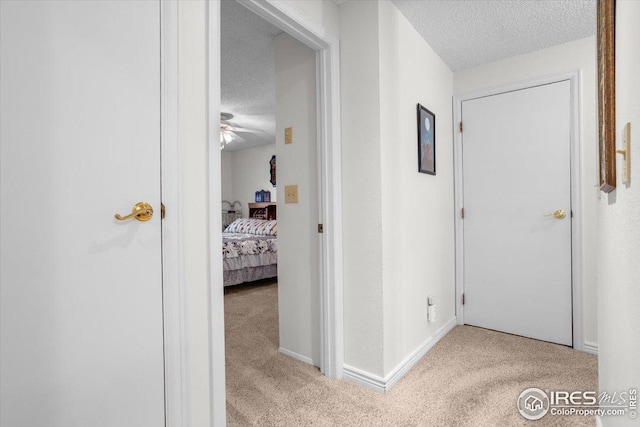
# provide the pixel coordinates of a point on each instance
(472, 377)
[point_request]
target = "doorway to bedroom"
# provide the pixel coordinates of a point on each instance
(270, 209)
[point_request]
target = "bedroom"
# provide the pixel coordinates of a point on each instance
(268, 84)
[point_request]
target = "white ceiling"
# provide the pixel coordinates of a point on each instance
(248, 73)
(466, 33)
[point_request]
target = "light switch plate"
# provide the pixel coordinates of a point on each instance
(291, 194)
(288, 135)
(626, 144)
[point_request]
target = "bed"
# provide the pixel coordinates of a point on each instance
(250, 250)
(230, 212)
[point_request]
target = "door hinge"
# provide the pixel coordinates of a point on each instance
(162, 210)
(320, 228)
(460, 127)
(462, 299)
(462, 213)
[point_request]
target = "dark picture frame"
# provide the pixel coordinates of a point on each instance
(426, 141)
(606, 41)
(272, 170)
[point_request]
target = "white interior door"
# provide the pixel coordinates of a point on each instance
(81, 293)
(516, 173)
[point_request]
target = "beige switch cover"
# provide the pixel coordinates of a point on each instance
(288, 135)
(626, 151)
(291, 194)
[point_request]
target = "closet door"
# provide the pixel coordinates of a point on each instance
(80, 291)
(517, 204)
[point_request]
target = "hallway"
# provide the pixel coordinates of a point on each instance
(471, 377)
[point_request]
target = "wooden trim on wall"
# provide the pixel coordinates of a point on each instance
(607, 93)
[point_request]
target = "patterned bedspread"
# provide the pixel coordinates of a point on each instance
(235, 245)
(249, 257)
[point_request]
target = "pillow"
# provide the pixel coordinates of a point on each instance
(260, 227)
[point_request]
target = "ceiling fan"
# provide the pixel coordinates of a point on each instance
(229, 132)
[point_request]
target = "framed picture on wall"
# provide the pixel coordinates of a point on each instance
(426, 141)
(606, 39)
(272, 170)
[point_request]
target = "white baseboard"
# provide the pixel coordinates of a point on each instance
(591, 348)
(364, 378)
(297, 356)
(403, 367)
(598, 421)
(385, 384)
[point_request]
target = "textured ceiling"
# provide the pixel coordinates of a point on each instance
(248, 73)
(466, 33)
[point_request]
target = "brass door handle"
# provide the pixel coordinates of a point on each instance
(560, 214)
(142, 211)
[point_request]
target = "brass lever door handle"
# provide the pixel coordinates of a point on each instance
(142, 211)
(560, 214)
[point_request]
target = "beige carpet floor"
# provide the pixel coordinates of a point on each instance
(472, 377)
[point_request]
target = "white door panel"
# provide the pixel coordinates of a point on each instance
(517, 261)
(81, 301)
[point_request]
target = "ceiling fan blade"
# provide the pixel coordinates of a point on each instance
(244, 130)
(236, 137)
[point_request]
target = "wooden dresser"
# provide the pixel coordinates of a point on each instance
(262, 210)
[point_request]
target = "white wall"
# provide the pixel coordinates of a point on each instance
(576, 55)
(417, 209)
(619, 230)
(298, 257)
(361, 186)
(323, 13)
(398, 223)
(246, 171)
(226, 175)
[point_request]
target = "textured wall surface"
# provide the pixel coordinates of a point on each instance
(298, 293)
(361, 191)
(390, 210)
(227, 166)
(417, 209)
(321, 12)
(619, 230)
(246, 171)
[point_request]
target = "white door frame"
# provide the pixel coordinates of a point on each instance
(576, 193)
(174, 300)
(287, 17)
